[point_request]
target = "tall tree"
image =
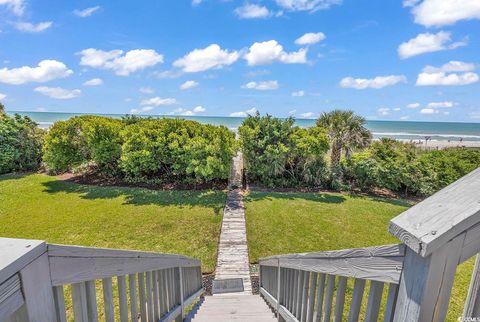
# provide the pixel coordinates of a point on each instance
(346, 131)
(2, 108)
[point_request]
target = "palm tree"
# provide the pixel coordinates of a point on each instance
(2, 108)
(346, 132)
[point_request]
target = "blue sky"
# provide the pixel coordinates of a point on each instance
(391, 60)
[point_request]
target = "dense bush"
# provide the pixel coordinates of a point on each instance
(173, 149)
(402, 167)
(277, 153)
(141, 150)
(20, 143)
(83, 139)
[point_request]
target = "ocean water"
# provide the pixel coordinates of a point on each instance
(404, 130)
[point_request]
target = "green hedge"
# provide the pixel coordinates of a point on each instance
(141, 150)
(403, 168)
(20, 143)
(277, 153)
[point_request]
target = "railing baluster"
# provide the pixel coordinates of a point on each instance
(91, 293)
(357, 297)
(143, 302)
(149, 292)
(311, 296)
(79, 298)
(304, 302)
(132, 285)
(60, 304)
(374, 299)
(156, 303)
(298, 292)
(327, 308)
(163, 293)
(340, 299)
(122, 298)
(108, 299)
(320, 293)
(391, 301)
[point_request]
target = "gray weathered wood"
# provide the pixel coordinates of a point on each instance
(356, 303)
(17, 253)
(91, 294)
(472, 304)
(11, 298)
(79, 299)
(298, 295)
(327, 307)
(373, 303)
(132, 288)
(38, 290)
(311, 297)
(304, 301)
(431, 223)
(60, 304)
(142, 299)
(426, 283)
(108, 299)
(149, 294)
(391, 301)
(122, 298)
(340, 299)
(156, 301)
(320, 295)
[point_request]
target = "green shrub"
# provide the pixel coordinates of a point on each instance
(20, 143)
(277, 153)
(173, 149)
(83, 139)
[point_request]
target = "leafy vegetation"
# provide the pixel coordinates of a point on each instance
(42, 207)
(141, 150)
(20, 143)
(277, 153)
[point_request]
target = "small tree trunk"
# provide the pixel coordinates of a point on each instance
(336, 154)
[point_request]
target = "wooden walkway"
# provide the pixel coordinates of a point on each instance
(232, 307)
(232, 261)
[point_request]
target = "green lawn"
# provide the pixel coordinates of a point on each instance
(279, 223)
(43, 207)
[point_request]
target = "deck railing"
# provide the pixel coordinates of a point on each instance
(134, 285)
(437, 235)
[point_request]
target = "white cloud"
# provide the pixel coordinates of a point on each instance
(2, 96)
(188, 84)
(453, 73)
(30, 27)
(292, 112)
(143, 109)
(307, 5)
(123, 65)
(146, 90)
(158, 101)
(443, 12)
(167, 74)
(203, 59)
(428, 111)
(397, 109)
(196, 2)
(93, 82)
(252, 11)
(413, 105)
(45, 71)
(307, 115)
(267, 52)
(87, 12)
(58, 92)
(441, 104)
(474, 115)
(250, 111)
(16, 6)
(298, 93)
(199, 109)
(147, 108)
(310, 38)
(383, 111)
(428, 43)
(262, 86)
(377, 82)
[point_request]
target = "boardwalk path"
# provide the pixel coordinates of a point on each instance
(232, 261)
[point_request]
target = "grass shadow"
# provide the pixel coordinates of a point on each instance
(141, 196)
(311, 196)
(14, 176)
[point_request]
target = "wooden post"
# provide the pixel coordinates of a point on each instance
(38, 290)
(278, 290)
(426, 283)
(180, 271)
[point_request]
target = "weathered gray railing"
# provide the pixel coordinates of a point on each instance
(149, 286)
(438, 234)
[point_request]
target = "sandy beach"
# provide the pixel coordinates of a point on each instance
(444, 144)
